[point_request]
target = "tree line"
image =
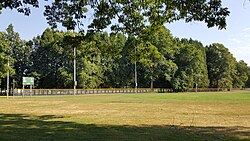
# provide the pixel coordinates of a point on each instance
(108, 60)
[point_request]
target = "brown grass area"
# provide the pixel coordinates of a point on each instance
(194, 115)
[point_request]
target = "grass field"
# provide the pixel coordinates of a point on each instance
(127, 117)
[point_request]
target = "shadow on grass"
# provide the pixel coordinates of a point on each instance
(17, 127)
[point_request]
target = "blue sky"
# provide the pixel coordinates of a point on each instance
(236, 37)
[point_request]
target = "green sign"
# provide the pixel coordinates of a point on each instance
(28, 80)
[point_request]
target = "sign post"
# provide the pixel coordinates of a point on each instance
(28, 81)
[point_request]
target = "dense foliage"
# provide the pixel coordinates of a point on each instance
(138, 39)
(107, 60)
(132, 16)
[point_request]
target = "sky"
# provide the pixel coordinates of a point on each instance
(236, 37)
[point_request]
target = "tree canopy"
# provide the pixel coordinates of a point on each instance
(107, 61)
(138, 36)
(131, 16)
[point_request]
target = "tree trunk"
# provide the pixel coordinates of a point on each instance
(196, 87)
(152, 84)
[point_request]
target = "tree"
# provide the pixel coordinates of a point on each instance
(6, 46)
(90, 67)
(71, 13)
(241, 75)
(52, 60)
(21, 6)
(191, 62)
(199, 65)
(3, 56)
(221, 66)
(132, 16)
(20, 51)
(112, 60)
(157, 55)
(247, 83)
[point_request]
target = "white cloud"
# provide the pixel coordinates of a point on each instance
(246, 29)
(236, 40)
(247, 36)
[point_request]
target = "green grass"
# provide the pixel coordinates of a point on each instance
(127, 117)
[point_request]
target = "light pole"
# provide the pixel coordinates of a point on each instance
(136, 85)
(8, 72)
(74, 73)
(8, 80)
(75, 81)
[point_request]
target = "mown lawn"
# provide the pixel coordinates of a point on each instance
(127, 117)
